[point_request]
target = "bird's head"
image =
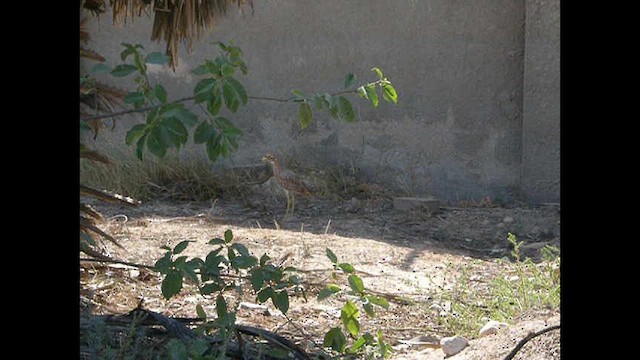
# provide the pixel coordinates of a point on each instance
(269, 159)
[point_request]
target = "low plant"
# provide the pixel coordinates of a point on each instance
(522, 285)
(231, 267)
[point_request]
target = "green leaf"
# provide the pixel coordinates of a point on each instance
(186, 117)
(200, 311)
(239, 89)
(171, 284)
(368, 308)
(281, 301)
(135, 133)
(180, 261)
(243, 261)
(257, 279)
(335, 339)
(213, 148)
(200, 70)
(389, 93)
(100, 69)
(209, 289)
(328, 291)
(215, 103)
(298, 95)
(264, 259)
(212, 263)
(356, 284)
(214, 67)
(331, 256)
(140, 145)
(384, 348)
(177, 350)
(203, 90)
(349, 80)
(221, 306)
(180, 247)
(371, 94)
(378, 300)
(319, 101)
(357, 345)
(198, 347)
(228, 236)
(240, 248)
(160, 92)
(216, 241)
(129, 49)
(155, 142)
(265, 294)
(202, 134)
(346, 110)
(136, 98)
(163, 264)
(228, 127)
(156, 58)
(123, 70)
(226, 70)
(178, 134)
(378, 72)
(230, 97)
(346, 267)
(349, 316)
(304, 114)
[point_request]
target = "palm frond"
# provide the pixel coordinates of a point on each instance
(108, 196)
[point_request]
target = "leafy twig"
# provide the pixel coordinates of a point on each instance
(130, 111)
(190, 98)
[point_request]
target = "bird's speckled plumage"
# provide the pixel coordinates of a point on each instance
(289, 181)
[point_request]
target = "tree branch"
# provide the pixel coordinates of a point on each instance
(189, 98)
(143, 109)
(527, 338)
(119, 262)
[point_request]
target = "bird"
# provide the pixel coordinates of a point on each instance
(288, 181)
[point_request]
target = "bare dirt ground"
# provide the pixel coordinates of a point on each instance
(407, 256)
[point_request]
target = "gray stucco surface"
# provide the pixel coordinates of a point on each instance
(541, 122)
(478, 110)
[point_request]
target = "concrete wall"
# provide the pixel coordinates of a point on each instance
(541, 120)
(458, 66)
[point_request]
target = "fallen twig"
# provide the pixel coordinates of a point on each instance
(527, 338)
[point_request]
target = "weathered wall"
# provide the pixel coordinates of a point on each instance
(541, 117)
(457, 65)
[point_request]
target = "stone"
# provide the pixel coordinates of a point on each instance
(491, 327)
(453, 344)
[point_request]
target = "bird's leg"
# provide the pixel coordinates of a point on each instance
(288, 194)
(293, 202)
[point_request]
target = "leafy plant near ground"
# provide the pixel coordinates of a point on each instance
(363, 342)
(231, 267)
(521, 286)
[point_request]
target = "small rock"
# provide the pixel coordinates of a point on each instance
(491, 327)
(453, 344)
(507, 219)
